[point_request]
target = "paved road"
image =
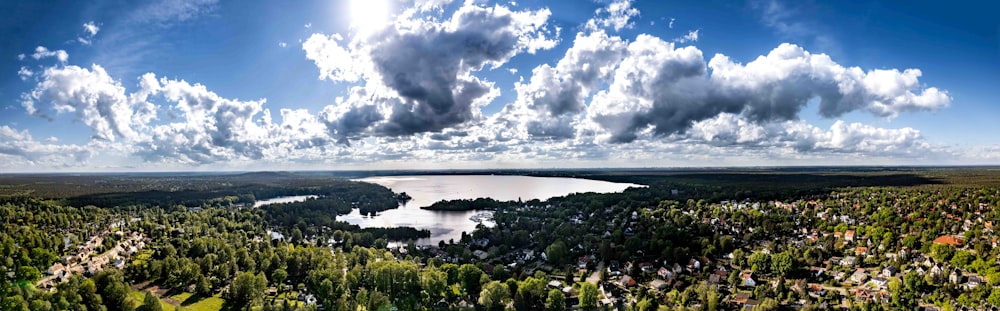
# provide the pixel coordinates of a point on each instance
(596, 276)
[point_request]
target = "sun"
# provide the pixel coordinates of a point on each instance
(369, 15)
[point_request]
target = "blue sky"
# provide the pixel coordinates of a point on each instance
(373, 84)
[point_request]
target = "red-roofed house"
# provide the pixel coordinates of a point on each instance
(947, 239)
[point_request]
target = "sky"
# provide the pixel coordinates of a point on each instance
(215, 85)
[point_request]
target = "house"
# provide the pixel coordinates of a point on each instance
(627, 281)
(658, 284)
(665, 273)
(555, 284)
(816, 271)
(582, 262)
(956, 277)
(748, 281)
(861, 251)
(889, 271)
(714, 279)
(835, 260)
(480, 254)
(936, 270)
(849, 261)
(694, 264)
(56, 268)
(879, 282)
(949, 240)
(816, 290)
(849, 235)
(741, 298)
(973, 281)
(859, 276)
(646, 267)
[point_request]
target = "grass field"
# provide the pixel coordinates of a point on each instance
(213, 303)
(139, 297)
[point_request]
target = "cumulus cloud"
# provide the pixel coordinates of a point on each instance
(43, 52)
(417, 74)
(550, 103)
(24, 73)
(733, 130)
(691, 36)
(204, 127)
(430, 5)
(661, 89)
(92, 96)
(19, 149)
(90, 30)
(210, 128)
(617, 15)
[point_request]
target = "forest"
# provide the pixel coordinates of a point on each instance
(691, 240)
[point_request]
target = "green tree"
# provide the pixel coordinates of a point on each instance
(247, 289)
(962, 259)
(150, 303)
(556, 301)
(202, 286)
(759, 262)
(279, 276)
(471, 278)
(588, 296)
(434, 282)
(942, 252)
(494, 295)
(994, 298)
(557, 253)
(782, 263)
(28, 273)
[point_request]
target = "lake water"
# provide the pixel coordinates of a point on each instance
(288, 199)
(444, 225)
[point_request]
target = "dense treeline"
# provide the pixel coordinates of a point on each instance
(483, 204)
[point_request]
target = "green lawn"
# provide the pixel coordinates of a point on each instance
(213, 303)
(139, 297)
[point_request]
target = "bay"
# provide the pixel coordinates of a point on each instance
(449, 225)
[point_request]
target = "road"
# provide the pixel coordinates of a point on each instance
(596, 276)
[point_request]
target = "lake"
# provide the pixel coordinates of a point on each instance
(445, 225)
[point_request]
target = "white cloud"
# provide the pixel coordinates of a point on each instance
(549, 105)
(618, 15)
(24, 73)
(729, 129)
(334, 61)
(282, 44)
(91, 28)
(430, 5)
(417, 74)
(43, 52)
(92, 96)
(661, 89)
(168, 12)
(691, 36)
(18, 150)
